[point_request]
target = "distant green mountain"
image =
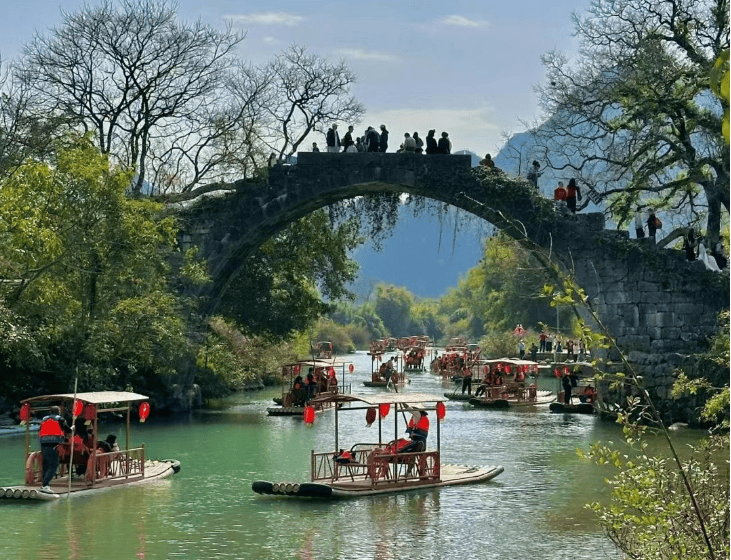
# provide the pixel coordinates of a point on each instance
(420, 257)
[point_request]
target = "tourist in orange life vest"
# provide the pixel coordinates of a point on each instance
(572, 192)
(344, 457)
(418, 431)
(52, 431)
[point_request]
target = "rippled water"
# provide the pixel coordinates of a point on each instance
(535, 509)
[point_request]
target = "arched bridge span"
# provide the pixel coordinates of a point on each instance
(654, 302)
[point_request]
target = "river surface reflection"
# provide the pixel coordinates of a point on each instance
(535, 509)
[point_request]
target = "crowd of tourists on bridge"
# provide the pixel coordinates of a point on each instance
(374, 141)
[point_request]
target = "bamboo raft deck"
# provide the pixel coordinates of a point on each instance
(153, 470)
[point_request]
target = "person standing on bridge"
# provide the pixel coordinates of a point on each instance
(572, 193)
(534, 173)
(445, 144)
(409, 144)
(348, 139)
(431, 143)
(383, 141)
(373, 140)
(333, 139)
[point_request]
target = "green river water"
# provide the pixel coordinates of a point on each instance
(535, 509)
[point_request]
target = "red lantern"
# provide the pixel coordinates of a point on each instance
(507, 368)
(566, 369)
(297, 368)
(331, 371)
(485, 370)
(144, 411)
(557, 372)
(500, 367)
(441, 411)
(370, 416)
(77, 409)
(309, 414)
(25, 412)
(384, 409)
(89, 412)
(351, 368)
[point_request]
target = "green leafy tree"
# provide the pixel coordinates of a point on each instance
(634, 116)
(393, 305)
(279, 291)
(87, 269)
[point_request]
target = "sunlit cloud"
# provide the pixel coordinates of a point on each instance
(266, 18)
(361, 54)
(461, 21)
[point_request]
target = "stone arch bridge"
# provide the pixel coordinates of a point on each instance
(654, 302)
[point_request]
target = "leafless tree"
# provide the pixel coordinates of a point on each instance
(633, 116)
(154, 90)
(306, 93)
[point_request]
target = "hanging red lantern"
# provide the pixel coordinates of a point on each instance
(507, 368)
(144, 411)
(566, 369)
(370, 416)
(500, 367)
(89, 412)
(331, 371)
(384, 409)
(309, 414)
(297, 368)
(25, 412)
(557, 372)
(441, 411)
(351, 367)
(77, 409)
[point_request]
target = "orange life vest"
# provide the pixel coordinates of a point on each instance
(50, 429)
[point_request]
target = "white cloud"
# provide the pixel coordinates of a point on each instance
(267, 18)
(362, 54)
(269, 40)
(462, 21)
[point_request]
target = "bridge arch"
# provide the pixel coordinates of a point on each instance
(236, 225)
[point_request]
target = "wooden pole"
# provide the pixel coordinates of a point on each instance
(73, 428)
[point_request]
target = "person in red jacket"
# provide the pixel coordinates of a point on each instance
(572, 193)
(52, 432)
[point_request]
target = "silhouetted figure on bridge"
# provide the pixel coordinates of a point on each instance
(315, 149)
(419, 143)
(373, 140)
(348, 139)
(333, 139)
(533, 173)
(444, 146)
(383, 142)
(572, 193)
(431, 143)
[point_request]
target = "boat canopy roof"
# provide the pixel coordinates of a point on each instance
(96, 397)
(318, 363)
(382, 398)
(512, 361)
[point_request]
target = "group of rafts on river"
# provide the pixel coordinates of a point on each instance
(75, 463)
(401, 464)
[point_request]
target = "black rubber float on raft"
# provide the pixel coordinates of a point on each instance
(306, 490)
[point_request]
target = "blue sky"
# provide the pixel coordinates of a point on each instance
(465, 67)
